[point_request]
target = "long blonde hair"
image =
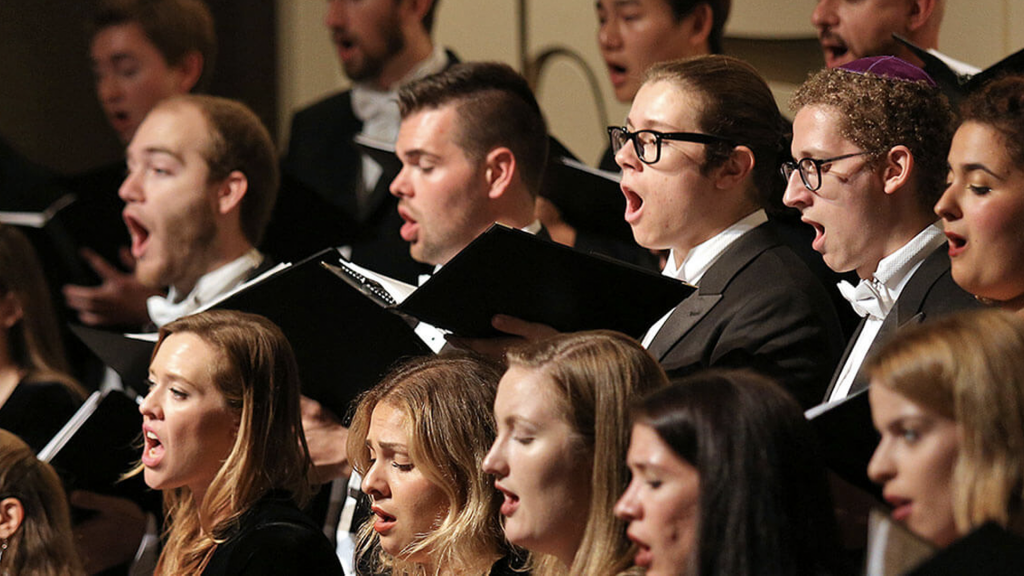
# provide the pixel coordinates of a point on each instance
(447, 404)
(969, 367)
(598, 375)
(258, 377)
(43, 545)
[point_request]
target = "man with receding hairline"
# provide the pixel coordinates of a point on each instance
(852, 29)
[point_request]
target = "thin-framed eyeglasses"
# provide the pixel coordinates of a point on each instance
(810, 169)
(647, 143)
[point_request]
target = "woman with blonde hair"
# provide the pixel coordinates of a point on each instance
(948, 400)
(417, 438)
(35, 525)
(562, 412)
(36, 394)
(224, 441)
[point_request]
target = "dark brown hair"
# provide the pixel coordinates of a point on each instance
(719, 14)
(175, 27)
(1000, 104)
(736, 104)
(494, 106)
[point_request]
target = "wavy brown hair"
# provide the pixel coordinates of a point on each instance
(42, 545)
(259, 379)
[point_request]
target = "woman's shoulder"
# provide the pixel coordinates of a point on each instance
(275, 537)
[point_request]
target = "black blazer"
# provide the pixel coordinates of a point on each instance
(757, 307)
(930, 293)
(273, 538)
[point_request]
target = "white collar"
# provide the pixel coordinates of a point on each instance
(209, 286)
(702, 256)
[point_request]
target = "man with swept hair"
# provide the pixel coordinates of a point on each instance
(381, 45)
(871, 139)
(473, 145)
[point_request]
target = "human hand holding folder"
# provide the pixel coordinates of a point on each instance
(519, 331)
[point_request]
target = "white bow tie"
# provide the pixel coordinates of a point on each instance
(378, 111)
(869, 298)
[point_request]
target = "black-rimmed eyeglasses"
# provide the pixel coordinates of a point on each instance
(810, 169)
(647, 143)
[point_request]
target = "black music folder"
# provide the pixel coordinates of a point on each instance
(98, 445)
(989, 550)
(954, 84)
(847, 438)
(508, 271)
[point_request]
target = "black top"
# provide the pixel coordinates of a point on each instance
(36, 411)
(274, 538)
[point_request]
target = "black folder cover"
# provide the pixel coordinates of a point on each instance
(507, 271)
(989, 550)
(848, 439)
(956, 86)
(127, 356)
(101, 446)
(344, 341)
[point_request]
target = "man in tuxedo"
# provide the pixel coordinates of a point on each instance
(871, 139)
(849, 30)
(202, 180)
(141, 53)
(473, 146)
(381, 45)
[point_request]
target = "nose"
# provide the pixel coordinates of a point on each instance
(374, 483)
(495, 462)
(131, 188)
(108, 90)
(881, 468)
(626, 156)
(824, 14)
(400, 185)
(608, 37)
(947, 207)
(628, 506)
(150, 406)
(335, 17)
(797, 195)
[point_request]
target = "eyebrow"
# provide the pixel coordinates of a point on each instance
(162, 150)
(979, 167)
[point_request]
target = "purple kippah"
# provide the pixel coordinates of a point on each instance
(889, 67)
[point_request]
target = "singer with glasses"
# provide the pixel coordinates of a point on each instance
(811, 168)
(699, 154)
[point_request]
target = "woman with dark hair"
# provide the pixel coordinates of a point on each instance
(36, 394)
(562, 412)
(223, 440)
(35, 525)
(983, 206)
(418, 438)
(727, 481)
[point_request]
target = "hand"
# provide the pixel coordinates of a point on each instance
(119, 299)
(520, 331)
(327, 440)
(111, 537)
(551, 218)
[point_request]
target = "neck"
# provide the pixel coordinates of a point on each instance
(712, 227)
(225, 253)
(417, 49)
(898, 237)
(1015, 305)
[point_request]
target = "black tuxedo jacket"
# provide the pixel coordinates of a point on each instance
(929, 294)
(758, 307)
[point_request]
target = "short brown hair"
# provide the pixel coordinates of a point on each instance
(1000, 104)
(495, 107)
(238, 140)
(175, 27)
(737, 105)
(878, 113)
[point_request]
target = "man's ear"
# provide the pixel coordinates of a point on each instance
(899, 164)
(10, 310)
(231, 191)
(417, 8)
(735, 169)
(11, 515)
(190, 70)
(499, 170)
(697, 25)
(919, 13)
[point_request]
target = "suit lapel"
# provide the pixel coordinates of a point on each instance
(844, 360)
(695, 307)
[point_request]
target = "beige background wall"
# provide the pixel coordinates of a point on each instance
(977, 31)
